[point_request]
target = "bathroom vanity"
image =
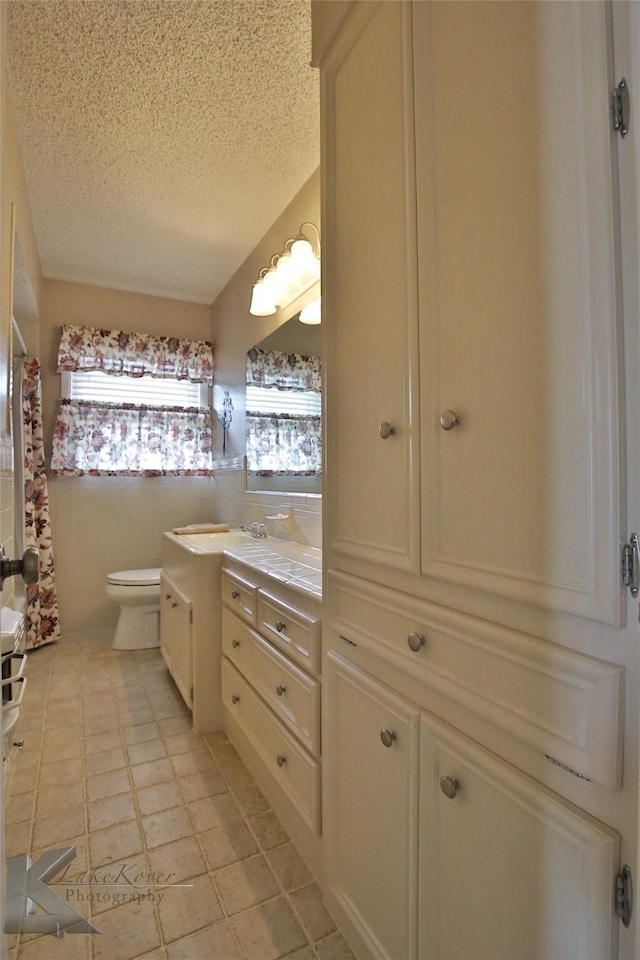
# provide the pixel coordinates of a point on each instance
(271, 595)
(190, 634)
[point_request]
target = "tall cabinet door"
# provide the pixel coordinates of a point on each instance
(519, 327)
(509, 870)
(370, 810)
(370, 303)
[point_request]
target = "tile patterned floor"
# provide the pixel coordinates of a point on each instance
(110, 765)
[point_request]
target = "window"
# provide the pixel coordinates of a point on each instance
(153, 421)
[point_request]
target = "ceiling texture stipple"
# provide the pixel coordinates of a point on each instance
(161, 140)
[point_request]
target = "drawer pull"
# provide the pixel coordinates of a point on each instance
(416, 642)
(235, 644)
(280, 625)
(449, 787)
(385, 430)
(388, 737)
(235, 594)
(280, 689)
(281, 760)
(174, 604)
(235, 698)
(167, 596)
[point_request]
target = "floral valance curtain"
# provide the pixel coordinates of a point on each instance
(134, 354)
(128, 440)
(285, 371)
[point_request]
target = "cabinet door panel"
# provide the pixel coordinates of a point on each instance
(519, 327)
(370, 303)
(507, 848)
(370, 809)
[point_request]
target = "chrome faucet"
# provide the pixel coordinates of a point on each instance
(257, 530)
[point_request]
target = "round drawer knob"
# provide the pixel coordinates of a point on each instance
(385, 430)
(280, 689)
(416, 642)
(280, 625)
(388, 737)
(449, 787)
(281, 760)
(235, 644)
(235, 594)
(235, 698)
(449, 419)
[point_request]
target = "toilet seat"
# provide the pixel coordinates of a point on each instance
(135, 578)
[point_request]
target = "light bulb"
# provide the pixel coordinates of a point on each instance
(312, 313)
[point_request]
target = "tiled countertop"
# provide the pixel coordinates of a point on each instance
(294, 564)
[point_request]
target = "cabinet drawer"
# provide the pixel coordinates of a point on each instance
(297, 773)
(241, 595)
(291, 693)
(297, 634)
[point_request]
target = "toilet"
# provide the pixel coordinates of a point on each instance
(138, 594)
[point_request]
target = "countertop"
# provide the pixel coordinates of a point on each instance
(294, 564)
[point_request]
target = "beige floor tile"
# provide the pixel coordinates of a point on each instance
(312, 913)
(175, 823)
(267, 830)
(108, 784)
(180, 860)
(118, 842)
(188, 908)
(212, 812)
(55, 773)
(70, 947)
(104, 761)
(58, 828)
(24, 781)
(288, 866)
(182, 742)
(127, 931)
(146, 750)
(238, 777)
(140, 732)
(159, 797)
(227, 844)
(110, 810)
(57, 750)
(225, 754)
(172, 725)
(152, 772)
(17, 838)
(98, 742)
(251, 801)
(268, 931)
(115, 881)
(246, 884)
(334, 947)
(205, 783)
(56, 799)
(135, 718)
(213, 943)
(104, 724)
(193, 762)
(216, 738)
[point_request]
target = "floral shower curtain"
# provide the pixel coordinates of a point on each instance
(43, 624)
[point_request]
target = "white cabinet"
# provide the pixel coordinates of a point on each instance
(428, 835)
(176, 636)
(271, 696)
(371, 810)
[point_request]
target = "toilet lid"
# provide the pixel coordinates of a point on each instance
(135, 578)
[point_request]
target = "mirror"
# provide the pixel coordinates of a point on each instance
(283, 411)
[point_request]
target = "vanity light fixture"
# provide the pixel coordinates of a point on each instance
(288, 275)
(311, 313)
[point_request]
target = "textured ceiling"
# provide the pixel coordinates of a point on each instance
(161, 140)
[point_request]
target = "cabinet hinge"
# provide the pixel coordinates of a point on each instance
(191, 695)
(621, 108)
(190, 616)
(624, 895)
(631, 564)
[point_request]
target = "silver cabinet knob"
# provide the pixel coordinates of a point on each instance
(388, 737)
(449, 787)
(235, 594)
(281, 760)
(449, 419)
(280, 689)
(235, 698)
(28, 567)
(385, 430)
(280, 625)
(235, 644)
(416, 642)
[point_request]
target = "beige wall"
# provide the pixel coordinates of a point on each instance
(102, 524)
(235, 331)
